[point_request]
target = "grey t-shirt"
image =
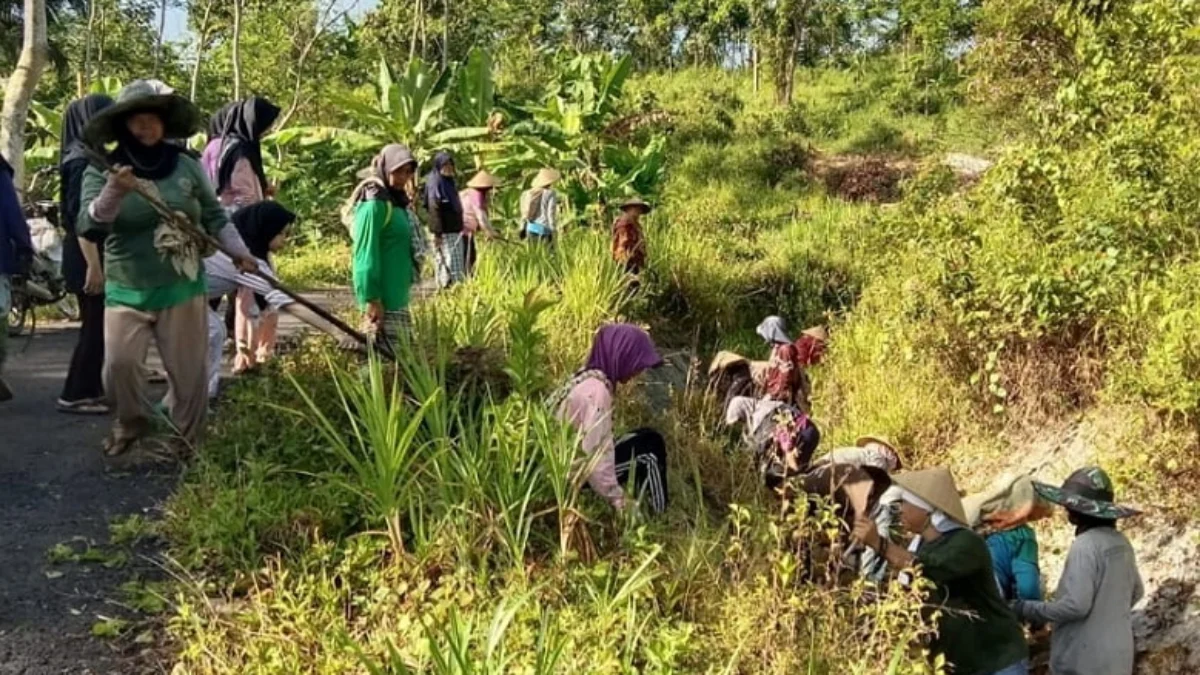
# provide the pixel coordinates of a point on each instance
(1091, 610)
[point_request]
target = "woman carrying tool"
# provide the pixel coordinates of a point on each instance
(387, 247)
(476, 201)
(264, 228)
(155, 286)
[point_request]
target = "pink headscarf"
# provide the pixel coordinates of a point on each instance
(621, 351)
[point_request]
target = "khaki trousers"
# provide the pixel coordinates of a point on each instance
(180, 333)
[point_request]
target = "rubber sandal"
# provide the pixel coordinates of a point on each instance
(114, 447)
(87, 406)
(5, 393)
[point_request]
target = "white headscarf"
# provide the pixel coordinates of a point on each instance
(940, 521)
(772, 329)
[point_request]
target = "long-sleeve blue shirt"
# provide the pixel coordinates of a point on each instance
(14, 231)
(1015, 562)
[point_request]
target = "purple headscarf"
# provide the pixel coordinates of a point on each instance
(621, 351)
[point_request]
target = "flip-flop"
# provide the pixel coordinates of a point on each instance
(5, 393)
(114, 447)
(87, 406)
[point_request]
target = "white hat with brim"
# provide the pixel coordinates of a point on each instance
(937, 487)
(181, 118)
(546, 177)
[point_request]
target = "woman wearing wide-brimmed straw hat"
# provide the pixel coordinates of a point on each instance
(477, 202)
(539, 207)
(810, 346)
(1091, 609)
(155, 286)
(976, 631)
(628, 244)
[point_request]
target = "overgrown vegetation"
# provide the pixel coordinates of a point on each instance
(432, 519)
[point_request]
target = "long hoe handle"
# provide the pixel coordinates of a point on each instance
(166, 212)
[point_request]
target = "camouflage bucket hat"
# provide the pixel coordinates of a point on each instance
(1089, 492)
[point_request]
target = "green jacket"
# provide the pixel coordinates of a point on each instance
(137, 276)
(385, 254)
(977, 631)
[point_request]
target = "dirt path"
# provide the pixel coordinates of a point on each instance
(55, 488)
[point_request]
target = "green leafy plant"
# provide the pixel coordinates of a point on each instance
(383, 449)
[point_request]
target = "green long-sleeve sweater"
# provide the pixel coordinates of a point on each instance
(137, 275)
(385, 255)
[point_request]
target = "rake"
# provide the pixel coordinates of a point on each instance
(100, 161)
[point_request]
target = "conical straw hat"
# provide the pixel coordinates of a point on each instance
(483, 181)
(817, 332)
(937, 487)
(546, 177)
(638, 202)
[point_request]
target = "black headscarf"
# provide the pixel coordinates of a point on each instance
(1083, 522)
(150, 162)
(260, 223)
(6, 167)
(79, 112)
(216, 123)
(243, 125)
(441, 189)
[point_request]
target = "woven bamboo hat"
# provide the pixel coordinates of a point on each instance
(817, 332)
(483, 181)
(181, 118)
(937, 487)
(636, 202)
(546, 177)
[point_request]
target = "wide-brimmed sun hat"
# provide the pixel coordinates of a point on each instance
(1088, 491)
(636, 202)
(181, 118)
(483, 181)
(817, 332)
(1009, 501)
(546, 177)
(936, 487)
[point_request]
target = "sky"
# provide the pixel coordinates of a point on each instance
(176, 28)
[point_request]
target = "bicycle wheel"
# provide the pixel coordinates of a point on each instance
(18, 314)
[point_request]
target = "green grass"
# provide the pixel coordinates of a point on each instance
(431, 519)
(314, 266)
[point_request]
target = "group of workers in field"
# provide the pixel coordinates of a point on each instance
(140, 277)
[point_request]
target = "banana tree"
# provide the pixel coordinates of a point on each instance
(474, 91)
(409, 109)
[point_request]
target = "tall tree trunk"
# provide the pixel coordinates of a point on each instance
(412, 45)
(158, 43)
(35, 51)
(237, 56)
(87, 45)
(755, 58)
(322, 23)
(201, 46)
(445, 33)
(102, 18)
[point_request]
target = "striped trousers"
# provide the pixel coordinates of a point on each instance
(641, 455)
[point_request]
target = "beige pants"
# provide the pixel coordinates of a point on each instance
(180, 333)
